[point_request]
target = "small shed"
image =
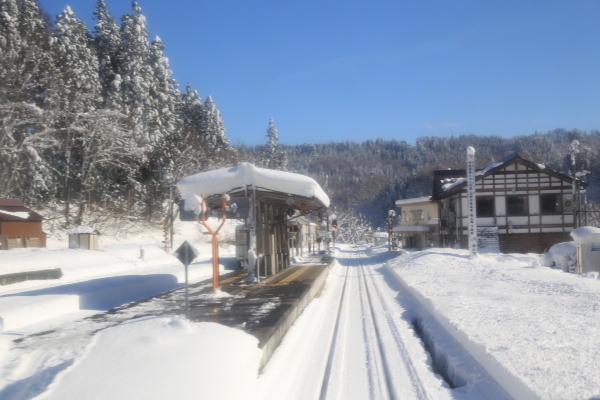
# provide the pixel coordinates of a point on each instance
(380, 238)
(19, 226)
(83, 237)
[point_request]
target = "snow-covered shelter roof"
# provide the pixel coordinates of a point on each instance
(246, 176)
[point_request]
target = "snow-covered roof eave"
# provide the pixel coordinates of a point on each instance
(82, 230)
(458, 183)
(17, 214)
(414, 200)
(411, 228)
(244, 175)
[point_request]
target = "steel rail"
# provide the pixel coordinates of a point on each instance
(395, 332)
(332, 343)
(391, 393)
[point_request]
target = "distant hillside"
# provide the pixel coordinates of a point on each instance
(371, 175)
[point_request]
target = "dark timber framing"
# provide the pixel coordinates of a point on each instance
(529, 231)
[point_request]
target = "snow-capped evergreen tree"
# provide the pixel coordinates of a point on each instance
(201, 144)
(273, 156)
(191, 112)
(136, 75)
(162, 117)
(190, 142)
(25, 69)
(75, 92)
(108, 40)
(213, 127)
(76, 87)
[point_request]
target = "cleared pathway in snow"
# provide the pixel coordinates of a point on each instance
(355, 352)
(375, 351)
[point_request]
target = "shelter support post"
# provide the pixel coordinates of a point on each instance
(215, 240)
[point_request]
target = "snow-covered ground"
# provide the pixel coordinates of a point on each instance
(451, 328)
(534, 328)
(127, 268)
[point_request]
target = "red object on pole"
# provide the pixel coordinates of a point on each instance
(215, 239)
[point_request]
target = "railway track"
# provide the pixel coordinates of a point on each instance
(366, 344)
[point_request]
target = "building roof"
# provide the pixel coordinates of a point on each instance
(449, 182)
(82, 230)
(411, 228)
(414, 200)
(13, 210)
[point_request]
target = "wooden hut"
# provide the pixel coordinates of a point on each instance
(83, 237)
(19, 226)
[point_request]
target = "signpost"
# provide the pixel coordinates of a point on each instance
(186, 253)
(471, 202)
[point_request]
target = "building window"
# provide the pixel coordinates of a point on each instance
(485, 206)
(417, 215)
(516, 205)
(551, 203)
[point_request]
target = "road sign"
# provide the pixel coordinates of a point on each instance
(186, 253)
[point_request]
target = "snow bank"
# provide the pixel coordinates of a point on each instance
(163, 358)
(245, 174)
(18, 311)
(586, 234)
(539, 326)
(563, 255)
(76, 263)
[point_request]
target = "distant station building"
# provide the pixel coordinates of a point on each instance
(275, 201)
(19, 226)
(417, 222)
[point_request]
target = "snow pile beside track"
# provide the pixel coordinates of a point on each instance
(527, 325)
(162, 358)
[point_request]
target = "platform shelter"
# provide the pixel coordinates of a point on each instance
(274, 199)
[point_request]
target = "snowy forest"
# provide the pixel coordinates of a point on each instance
(93, 122)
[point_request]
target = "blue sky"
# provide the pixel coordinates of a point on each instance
(357, 70)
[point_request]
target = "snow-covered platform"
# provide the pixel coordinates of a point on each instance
(265, 309)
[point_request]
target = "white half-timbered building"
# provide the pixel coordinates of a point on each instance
(530, 206)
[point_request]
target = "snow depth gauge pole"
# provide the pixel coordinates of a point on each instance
(471, 202)
(215, 239)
